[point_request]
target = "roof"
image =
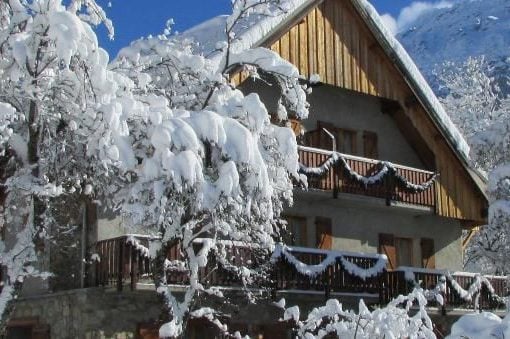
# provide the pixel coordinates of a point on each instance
(256, 31)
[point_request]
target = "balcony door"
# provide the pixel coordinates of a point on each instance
(324, 238)
(399, 251)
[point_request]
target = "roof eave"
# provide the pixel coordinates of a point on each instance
(418, 91)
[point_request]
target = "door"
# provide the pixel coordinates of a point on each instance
(323, 233)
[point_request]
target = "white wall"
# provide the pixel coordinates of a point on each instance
(358, 220)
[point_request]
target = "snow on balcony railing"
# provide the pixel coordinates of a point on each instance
(343, 173)
(459, 289)
(378, 261)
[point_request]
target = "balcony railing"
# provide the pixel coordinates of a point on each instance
(338, 181)
(124, 262)
(398, 282)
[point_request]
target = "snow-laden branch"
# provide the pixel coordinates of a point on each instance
(332, 257)
(385, 169)
(393, 321)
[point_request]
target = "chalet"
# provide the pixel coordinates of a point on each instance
(390, 189)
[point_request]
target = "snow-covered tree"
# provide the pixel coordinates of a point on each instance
(212, 172)
(475, 103)
(482, 111)
(395, 320)
(161, 134)
(61, 121)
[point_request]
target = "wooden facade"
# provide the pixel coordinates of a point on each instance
(333, 41)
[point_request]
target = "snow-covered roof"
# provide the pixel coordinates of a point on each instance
(258, 29)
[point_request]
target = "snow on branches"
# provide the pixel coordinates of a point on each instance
(481, 108)
(61, 119)
(209, 163)
(392, 321)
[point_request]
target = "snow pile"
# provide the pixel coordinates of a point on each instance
(285, 252)
(392, 321)
(481, 326)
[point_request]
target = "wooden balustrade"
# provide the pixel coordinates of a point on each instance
(338, 181)
(123, 264)
(395, 283)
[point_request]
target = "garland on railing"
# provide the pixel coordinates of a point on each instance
(385, 168)
(131, 240)
(473, 290)
(331, 257)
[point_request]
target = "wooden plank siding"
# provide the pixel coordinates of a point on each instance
(333, 41)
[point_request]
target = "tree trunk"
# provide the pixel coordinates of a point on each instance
(38, 206)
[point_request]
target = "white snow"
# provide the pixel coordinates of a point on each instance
(480, 326)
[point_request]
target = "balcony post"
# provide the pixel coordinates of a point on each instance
(120, 272)
(327, 284)
(335, 169)
(389, 188)
(134, 267)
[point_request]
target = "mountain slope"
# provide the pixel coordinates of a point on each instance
(468, 28)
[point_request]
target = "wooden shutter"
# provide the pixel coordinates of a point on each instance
(387, 246)
(296, 126)
(427, 253)
(323, 233)
(147, 331)
(370, 145)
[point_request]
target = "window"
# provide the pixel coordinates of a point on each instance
(346, 139)
(398, 250)
(370, 145)
(427, 253)
(404, 251)
(297, 229)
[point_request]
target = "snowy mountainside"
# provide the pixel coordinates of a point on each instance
(467, 28)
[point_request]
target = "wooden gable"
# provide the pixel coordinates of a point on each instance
(332, 40)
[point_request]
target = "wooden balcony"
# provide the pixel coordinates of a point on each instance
(124, 263)
(337, 180)
(395, 283)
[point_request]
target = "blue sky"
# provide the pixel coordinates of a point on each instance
(135, 18)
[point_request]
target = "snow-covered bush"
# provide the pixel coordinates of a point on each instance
(396, 320)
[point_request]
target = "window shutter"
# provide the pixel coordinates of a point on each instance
(427, 253)
(323, 233)
(387, 246)
(370, 145)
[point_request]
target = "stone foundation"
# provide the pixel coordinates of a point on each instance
(91, 313)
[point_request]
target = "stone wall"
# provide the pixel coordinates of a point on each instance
(91, 313)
